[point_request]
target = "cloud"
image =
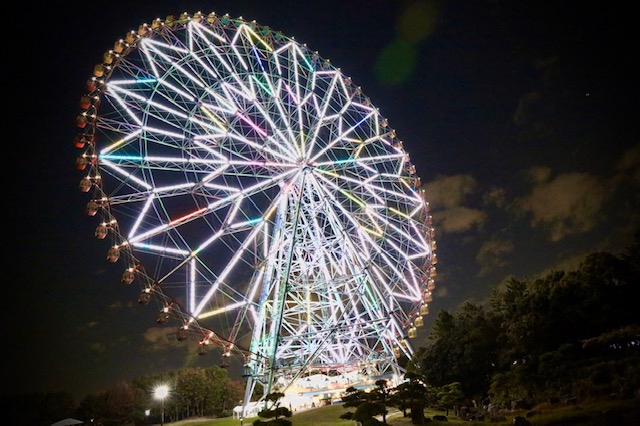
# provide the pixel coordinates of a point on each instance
(568, 262)
(98, 347)
(162, 339)
(120, 305)
(441, 292)
(495, 196)
(538, 174)
(88, 325)
(490, 255)
(447, 196)
(459, 219)
(629, 165)
(159, 338)
(450, 191)
(568, 204)
(528, 106)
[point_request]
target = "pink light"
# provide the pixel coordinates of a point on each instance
(252, 124)
(293, 96)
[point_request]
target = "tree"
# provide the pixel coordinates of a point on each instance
(412, 395)
(545, 321)
(450, 395)
(463, 348)
(222, 393)
(123, 404)
(367, 411)
(368, 404)
(93, 407)
(191, 390)
(274, 411)
(381, 395)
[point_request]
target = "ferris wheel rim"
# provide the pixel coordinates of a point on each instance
(264, 146)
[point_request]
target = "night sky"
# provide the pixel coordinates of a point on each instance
(521, 118)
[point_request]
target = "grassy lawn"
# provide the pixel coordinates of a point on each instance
(596, 413)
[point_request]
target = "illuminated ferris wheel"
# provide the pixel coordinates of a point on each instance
(254, 192)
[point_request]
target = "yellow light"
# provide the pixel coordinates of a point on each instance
(353, 198)
(213, 118)
(398, 212)
(264, 43)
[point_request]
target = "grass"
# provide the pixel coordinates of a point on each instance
(588, 413)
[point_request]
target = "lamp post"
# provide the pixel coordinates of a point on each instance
(161, 392)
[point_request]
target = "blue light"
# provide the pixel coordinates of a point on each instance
(147, 80)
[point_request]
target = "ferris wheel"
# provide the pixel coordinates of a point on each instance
(258, 196)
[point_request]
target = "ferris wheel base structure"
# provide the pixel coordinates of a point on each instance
(316, 390)
(259, 198)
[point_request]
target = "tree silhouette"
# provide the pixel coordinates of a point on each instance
(274, 411)
(412, 395)
(368, 405)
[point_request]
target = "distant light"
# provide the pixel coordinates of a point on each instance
(161, 392)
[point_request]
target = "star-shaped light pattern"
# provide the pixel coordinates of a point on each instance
(255, 192)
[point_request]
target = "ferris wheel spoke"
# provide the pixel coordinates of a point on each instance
(366, 241)
(258, 193)
(353, 251)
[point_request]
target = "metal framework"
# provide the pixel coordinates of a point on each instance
(255, 192)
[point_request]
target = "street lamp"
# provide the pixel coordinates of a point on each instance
(161, 392)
